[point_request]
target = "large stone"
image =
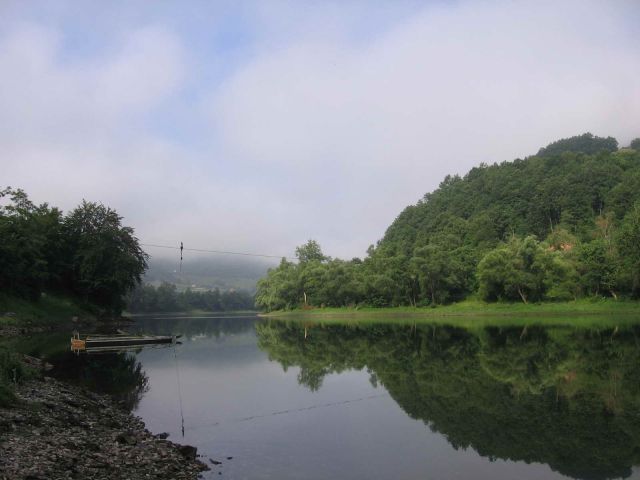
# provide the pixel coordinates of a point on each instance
(188, 452)
(127, 438)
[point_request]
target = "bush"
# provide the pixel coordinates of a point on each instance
(12, 371)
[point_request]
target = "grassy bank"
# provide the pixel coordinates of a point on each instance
(479, 308)
(474, 312)
(49, 311)
(12, 371)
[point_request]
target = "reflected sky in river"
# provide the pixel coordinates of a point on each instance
(394, 401)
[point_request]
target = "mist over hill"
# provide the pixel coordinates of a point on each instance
(208, 272)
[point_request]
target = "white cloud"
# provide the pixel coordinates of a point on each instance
(380, 124)
(73, 130)
(321, 131)
(47, 99)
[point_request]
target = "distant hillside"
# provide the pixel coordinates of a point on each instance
(561, 224)
(207, 272)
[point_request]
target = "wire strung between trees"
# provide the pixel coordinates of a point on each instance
(181, 248)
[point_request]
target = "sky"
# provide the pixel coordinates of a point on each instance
(253, 126)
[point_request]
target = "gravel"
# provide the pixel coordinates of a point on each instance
(61, 431)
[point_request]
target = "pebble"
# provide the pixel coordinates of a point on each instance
(60, 431)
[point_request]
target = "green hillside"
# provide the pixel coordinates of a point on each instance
(560, 189)
(562, 224)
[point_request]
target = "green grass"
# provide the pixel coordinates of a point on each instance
(595, 321)
(12, 371)
(474, 313)
(477, 307)
(48, 311)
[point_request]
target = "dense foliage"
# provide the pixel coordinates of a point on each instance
(585, 143)
(86, 253)
(167, 298)
(562, 224)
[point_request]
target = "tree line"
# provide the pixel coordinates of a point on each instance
(167, 298)
(559, 225)
(86, 253)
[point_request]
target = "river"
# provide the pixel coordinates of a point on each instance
(272, 399)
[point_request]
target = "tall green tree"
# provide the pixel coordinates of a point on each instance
(30, 256)
(107, 260)
(598, 268)
(280, 289)
(515, 270)
(439, 273)
(628, 241)
(310, 252)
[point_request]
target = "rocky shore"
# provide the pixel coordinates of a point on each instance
(61, 431)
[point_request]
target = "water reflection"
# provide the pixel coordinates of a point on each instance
(193, 326)
(120, 375)
(117, 374)
(562, 396)
(313, 401)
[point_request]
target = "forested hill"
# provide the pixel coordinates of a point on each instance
(567, 184)
(561, 224)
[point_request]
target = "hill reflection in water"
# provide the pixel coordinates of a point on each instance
(567, 397)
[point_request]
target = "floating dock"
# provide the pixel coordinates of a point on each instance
(95, 342)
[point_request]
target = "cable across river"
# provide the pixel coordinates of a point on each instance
(223, 252)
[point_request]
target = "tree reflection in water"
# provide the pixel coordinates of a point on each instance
(117, 374)
(567, 397)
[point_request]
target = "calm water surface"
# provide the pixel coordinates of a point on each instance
(293, 401)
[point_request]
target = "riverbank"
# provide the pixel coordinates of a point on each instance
(58, 430)
(466, 311)
(49, 312)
